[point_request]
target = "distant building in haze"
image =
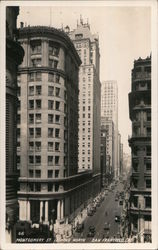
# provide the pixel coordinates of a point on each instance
(109, 109)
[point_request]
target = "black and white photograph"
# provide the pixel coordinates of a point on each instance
(78, 125)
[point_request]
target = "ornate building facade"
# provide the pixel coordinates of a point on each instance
(140, 143)
(48, 128)
(87, 46)
(14, 56)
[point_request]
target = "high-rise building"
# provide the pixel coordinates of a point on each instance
(103, 156)
(109, 126)
(87, 46)
(14, 56)
(48, 128)
(109, 109)
(140, 143)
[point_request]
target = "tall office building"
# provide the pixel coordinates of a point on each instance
(109, 109)
(87, 46)
(48, 128)
(140, 143)
(14, 56)
(109, 126)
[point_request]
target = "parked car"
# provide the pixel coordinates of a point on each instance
(92, 228)
(80, 228)
(106, 226)
(121, 202)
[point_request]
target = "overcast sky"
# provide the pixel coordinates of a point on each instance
(124, 35)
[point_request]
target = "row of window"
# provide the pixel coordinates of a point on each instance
(37, 118)
(84, 115)
(52, 132)
(36, 145)
(147, 202)
(51, 160)
(36, 48)
(147, 183)
(37, 104)
(37, 90)
(37, 173)
(37, 76)
(136, 167)
(36, 187)
(147, 150)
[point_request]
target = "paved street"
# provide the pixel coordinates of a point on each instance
(99, 218)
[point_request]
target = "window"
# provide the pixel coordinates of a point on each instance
(83, 108)
(50, 146)
(18, 91)
(57, 78)
(38, 104)
(57, 144)
(50, 132)
(54, 51)
(135, 201)
(18, 105)
(50, 104)
(57, 118)
(89, 115)
(50, 187)
(56, 173)
(57, 91)
(148, 202)
(148, 130)
(38, 145)
(18, 119)
(148, 150)
(53, 63)
(148, 166)
(18, 159)
(57, 131)
(135, 183)
(50, 118)
(36, 62)
(83, 115)
(31, 145)
(51, 77)
(57, 105)
(31, 104)
(37, 187)
(31, 132)
(56, 187)
(50, 90)
(31, 90)
(56, 160)
(38, 90)
(38, 132)
(36, 47)
(148, 183)
(135, 167)
(38, 159)
(38, 173)
(31, 173)
(89, 108)
(38, 76)
(31, 118)
(148, 116)
(38, 118)
(31, 159)
(50, 173)
(31, 187)
(50, 160)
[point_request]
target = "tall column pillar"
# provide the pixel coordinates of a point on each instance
(46, 211)
(28, 210)
(41, 210)
(58, 210)
(62, 209)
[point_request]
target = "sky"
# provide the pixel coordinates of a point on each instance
(124, 35)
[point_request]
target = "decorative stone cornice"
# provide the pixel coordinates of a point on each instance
(50, 32)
